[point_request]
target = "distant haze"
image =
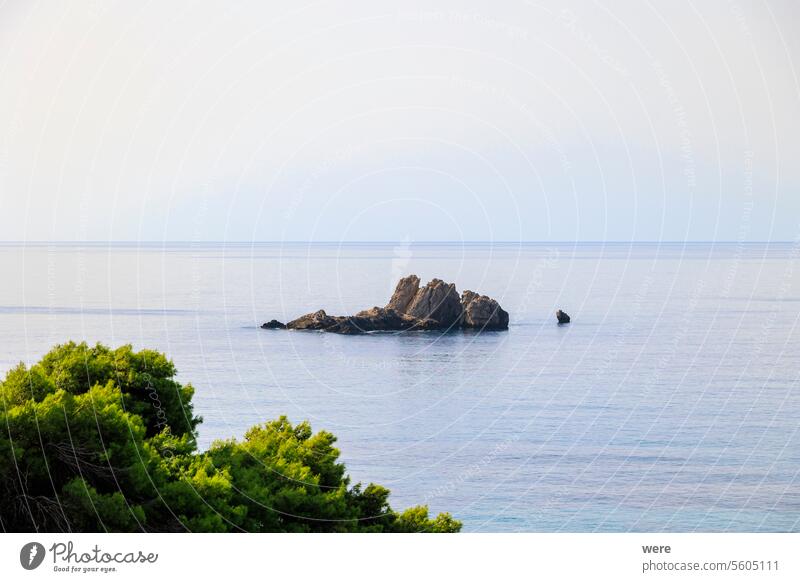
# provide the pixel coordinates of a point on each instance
(349, 121)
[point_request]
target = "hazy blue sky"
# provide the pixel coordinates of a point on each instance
(629, 120)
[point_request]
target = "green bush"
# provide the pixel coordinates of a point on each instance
(95, 439)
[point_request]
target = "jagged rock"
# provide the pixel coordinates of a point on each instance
(436, 306)
(482, 312)
(439, 301)
(562, 317)
(375, 319)
(319, 320)
(387, 319)
(404, 293)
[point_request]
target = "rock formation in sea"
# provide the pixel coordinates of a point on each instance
(482, 312)
(562, 317)
(436, 306)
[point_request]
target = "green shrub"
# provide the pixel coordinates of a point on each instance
(95, 439)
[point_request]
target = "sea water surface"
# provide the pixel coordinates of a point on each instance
(670, 403)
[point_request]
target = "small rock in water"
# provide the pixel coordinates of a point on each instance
(273, 324)
(562, 317)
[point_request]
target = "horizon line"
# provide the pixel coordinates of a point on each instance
(389, 242)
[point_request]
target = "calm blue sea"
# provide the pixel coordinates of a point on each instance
(671, 403)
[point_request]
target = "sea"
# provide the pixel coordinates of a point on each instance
(670, 403)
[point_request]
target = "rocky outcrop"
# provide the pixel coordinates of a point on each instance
(319, 320)
(437, 300)
(388, 319)
(404, 293)
(482, 312)
(273, 324)
(375, 319)
(436, 306)
(562, 317)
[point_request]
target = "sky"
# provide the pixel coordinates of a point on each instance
(414, 121)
